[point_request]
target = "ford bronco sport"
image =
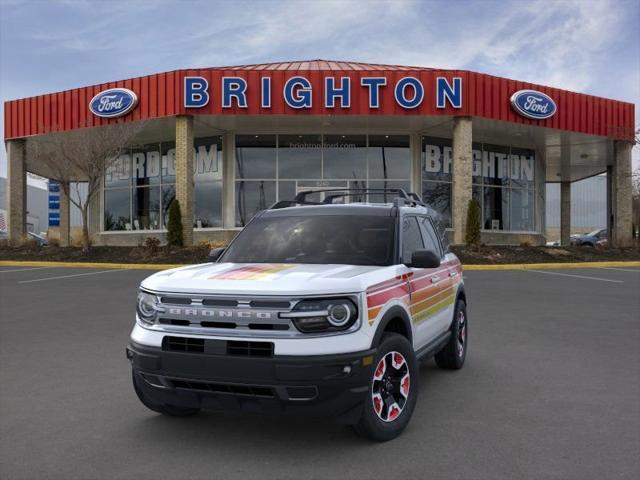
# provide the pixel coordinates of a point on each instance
(316, 308)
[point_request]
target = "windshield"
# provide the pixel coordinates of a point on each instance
(343, 239)
(594, 233)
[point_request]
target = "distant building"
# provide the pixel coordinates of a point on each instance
(37, 206)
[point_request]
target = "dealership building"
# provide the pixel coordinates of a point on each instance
(228, 142)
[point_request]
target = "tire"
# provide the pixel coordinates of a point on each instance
(453, 354)
(395, 376)
(165, 409)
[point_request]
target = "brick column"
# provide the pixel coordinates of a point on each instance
(462, 174)
(65, 218)
(565, 213)
(184, 174)
(228, 181)
(621, 184)
(16, 191)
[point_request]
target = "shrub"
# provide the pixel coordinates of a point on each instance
(152, 245)
(472, 235)
(54, 242)
(525, 244)
(174, 226)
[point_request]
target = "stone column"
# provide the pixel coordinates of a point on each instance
(415, 147)
(565, 213)
(621, 184)
(228, 180)
(65, 216)
(16, 191)
(184, 174)
(462, 175)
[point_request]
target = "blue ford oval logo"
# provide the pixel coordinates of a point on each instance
(114, 102)
(533, 104)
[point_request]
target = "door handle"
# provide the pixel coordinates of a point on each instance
(435, 279)
(453, 274)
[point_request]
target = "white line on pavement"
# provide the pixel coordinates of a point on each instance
(577, 276)
(637, 270)
(24, 269)
(69, 276)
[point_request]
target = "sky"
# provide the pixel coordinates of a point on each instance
(581, 45)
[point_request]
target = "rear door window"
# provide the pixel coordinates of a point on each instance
(411, 238)
(430, 238)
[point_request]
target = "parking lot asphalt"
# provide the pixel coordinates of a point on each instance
(550, 389)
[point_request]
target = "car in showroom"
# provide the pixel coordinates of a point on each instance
(316, 308)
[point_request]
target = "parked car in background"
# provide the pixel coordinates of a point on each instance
(41, 239)
(590, 239)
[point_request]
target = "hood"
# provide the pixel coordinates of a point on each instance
(261, 279)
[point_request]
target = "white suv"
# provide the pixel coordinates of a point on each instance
(315, 308)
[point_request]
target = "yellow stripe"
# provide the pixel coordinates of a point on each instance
(132, 266)
(163, 266)
(422, 315)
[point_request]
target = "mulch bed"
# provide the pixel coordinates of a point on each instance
(479, 256)
(487, 255)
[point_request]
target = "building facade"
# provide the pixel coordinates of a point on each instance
(228, 142)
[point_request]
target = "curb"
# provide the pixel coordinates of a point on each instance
(551, 266)
(164, 266)
(126, 266)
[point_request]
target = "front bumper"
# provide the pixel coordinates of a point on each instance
(319, 385)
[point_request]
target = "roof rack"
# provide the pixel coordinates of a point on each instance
(402, 197)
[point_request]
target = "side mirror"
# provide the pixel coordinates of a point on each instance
(424, 259)
(215, 254)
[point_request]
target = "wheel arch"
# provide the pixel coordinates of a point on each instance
(396, 320)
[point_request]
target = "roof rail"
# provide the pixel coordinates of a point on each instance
(402, 198)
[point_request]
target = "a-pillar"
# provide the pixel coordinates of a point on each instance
(565, 213)
(65, 219)
(16, 191)
(184, 174)
(621, 193)
(462, 175)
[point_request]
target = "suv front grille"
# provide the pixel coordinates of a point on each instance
(217, 347)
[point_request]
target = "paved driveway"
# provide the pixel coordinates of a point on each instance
(551, 389)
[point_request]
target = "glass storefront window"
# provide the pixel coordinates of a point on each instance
(146, 208)
(118, 174)
(168, 194)
(496, 172)
(437, 162)
(145, 165)
(255, 156)
(522, 209)
(251, 197)
(168, 162)
(117, 204)
(151, 170)
(496, 208)
(522, 165)
(344, 157)
(300, 156)
(438, 196)
(389, 156)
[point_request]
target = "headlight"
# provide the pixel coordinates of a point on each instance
(146, 307)
(332, 314)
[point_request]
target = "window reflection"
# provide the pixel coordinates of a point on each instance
(252, 197)
(300, 156)
(255, 156)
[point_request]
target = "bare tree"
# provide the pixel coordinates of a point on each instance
(82, 156)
